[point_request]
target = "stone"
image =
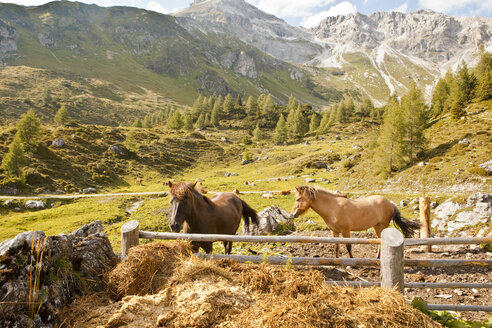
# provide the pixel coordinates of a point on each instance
(403, 203)
(464, 141)
(35, 204)
(486, 165)
(269, 221)
(90, 190)
(433, 205)
(58, 143)
(319, 165)
(356, 147)
(447, 209)
(227, 174)
(224, 139)
(310, 180)
(234, 174)
(91, 255)
(338, 138)
(121, 151)
(479, 197)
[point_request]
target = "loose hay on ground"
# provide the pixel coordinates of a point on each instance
(147, 268)
(200, 293)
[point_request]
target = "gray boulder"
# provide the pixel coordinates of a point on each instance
(447, 209)
(58, 143)
(487, 165)
(35, 204)
(269, 221)
(89, 190)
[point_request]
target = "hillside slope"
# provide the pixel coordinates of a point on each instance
(138, 50)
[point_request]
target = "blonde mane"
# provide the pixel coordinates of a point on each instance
(311, 192)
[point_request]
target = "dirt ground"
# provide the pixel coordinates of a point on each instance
(464, 296)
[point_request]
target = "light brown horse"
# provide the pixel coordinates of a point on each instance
(197, 213)
(343, 215)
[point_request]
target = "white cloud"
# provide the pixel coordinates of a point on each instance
(155, 6)
(403, 8)
(289, 8)
(446, 6)
(342, 8)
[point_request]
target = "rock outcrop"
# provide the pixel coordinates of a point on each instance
(271, 219)
(39, 274)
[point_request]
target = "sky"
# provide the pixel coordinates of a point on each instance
(309, 13)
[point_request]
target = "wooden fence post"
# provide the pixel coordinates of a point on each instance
(425, 227)
(129, 236)
(392, 261)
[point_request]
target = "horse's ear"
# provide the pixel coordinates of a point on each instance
(194, 185)
(170, 184)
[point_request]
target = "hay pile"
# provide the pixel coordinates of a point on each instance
(198, 293)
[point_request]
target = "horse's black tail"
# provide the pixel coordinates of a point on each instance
(249, 214)
(407, 227)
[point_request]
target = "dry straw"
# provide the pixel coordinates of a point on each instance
(185, 291)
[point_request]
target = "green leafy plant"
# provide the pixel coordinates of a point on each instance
(446, 319)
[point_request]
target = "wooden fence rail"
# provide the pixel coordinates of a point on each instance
(391, 264)
(308, 239)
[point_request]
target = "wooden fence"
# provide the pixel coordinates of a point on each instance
(391, 264)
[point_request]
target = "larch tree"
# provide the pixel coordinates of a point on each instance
(61, 116)
(29, 130)
(280, 134)
(416, 118)
(15, 159)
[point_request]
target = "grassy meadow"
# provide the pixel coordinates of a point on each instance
(209, 159)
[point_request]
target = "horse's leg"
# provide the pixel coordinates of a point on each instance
(195, 246)
(346, 234)
(335, 234)
(227, 247)
(207, 246)
(377, 229)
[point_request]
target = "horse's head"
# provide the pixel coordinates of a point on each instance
(181, 203)
(304, 196)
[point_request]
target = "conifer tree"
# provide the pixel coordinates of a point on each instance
(197, 107)
(175, 121)
(292, 102)
(291, 129)
(15, 159)
(147, 122)
(251, 107)
(211, 103)
(365, 109)
(206, 122)
(300, 126)
(324, 125)
(280, 135)
(484, 88)
(214, 118)
(204, 106)
(29, 130)
(392, 138)
(228, 106)
(200, 123)
(131, 142)
(269, 110)
(440, 96)
(61, 116)
(314, 122)
(333, 114)
(416, 119)
(188, 122)
(257, 133)
(137, 123)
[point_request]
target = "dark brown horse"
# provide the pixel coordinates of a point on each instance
(196, 213)
(343, 215)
